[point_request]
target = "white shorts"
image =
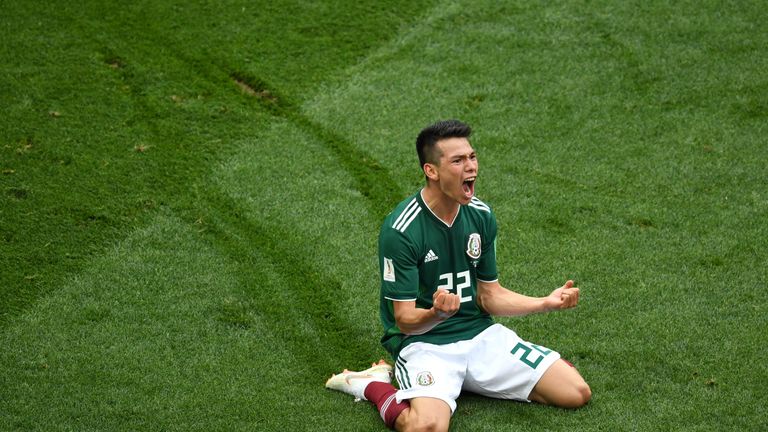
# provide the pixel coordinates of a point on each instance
(496, 363)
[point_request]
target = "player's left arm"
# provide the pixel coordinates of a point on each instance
(497, 300)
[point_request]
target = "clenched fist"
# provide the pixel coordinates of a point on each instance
(445, 304)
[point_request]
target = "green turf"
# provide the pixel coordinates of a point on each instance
(190, 196)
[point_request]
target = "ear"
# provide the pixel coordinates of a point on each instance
(430, 170)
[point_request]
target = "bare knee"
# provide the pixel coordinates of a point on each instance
(426, 424)
(421, 421)
(562, 386)
(586, 394)
(578, 396)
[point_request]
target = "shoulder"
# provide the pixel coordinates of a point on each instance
(480, 216)
(403, 216)
(480, 209)
(399, 235)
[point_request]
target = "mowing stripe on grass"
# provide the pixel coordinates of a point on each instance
(241, 237)
(309, 294)
(135, 342)
(371, 178)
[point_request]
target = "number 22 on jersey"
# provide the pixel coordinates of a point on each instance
(463, 282)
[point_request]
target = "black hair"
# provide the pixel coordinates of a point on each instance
(430, 135)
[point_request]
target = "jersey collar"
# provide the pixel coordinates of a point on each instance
(434, 216)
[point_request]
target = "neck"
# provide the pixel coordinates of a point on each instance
(441, 205)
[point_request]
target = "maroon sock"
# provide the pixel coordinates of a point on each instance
(382, 395)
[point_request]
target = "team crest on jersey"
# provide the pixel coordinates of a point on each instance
(473, 246)
(425, 379)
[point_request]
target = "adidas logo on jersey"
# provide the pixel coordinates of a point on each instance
(430, 256)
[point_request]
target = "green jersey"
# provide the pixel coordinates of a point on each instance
(419, 254)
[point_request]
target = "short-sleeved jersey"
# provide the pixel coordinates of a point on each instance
(419, 253)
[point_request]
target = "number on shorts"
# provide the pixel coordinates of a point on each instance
(527, 350)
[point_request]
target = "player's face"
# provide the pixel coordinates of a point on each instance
(457, 170)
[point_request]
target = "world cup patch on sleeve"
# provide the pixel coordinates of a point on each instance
(389, 270)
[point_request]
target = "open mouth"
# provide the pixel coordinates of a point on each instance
(469, 187)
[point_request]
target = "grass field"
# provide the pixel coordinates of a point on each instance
(190, 195)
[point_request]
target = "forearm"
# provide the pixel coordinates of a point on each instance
(417, 321)
(500, 301)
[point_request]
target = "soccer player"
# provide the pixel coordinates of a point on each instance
(439, 289)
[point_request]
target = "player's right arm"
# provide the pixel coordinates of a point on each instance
(399, 255)
(412, 320)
